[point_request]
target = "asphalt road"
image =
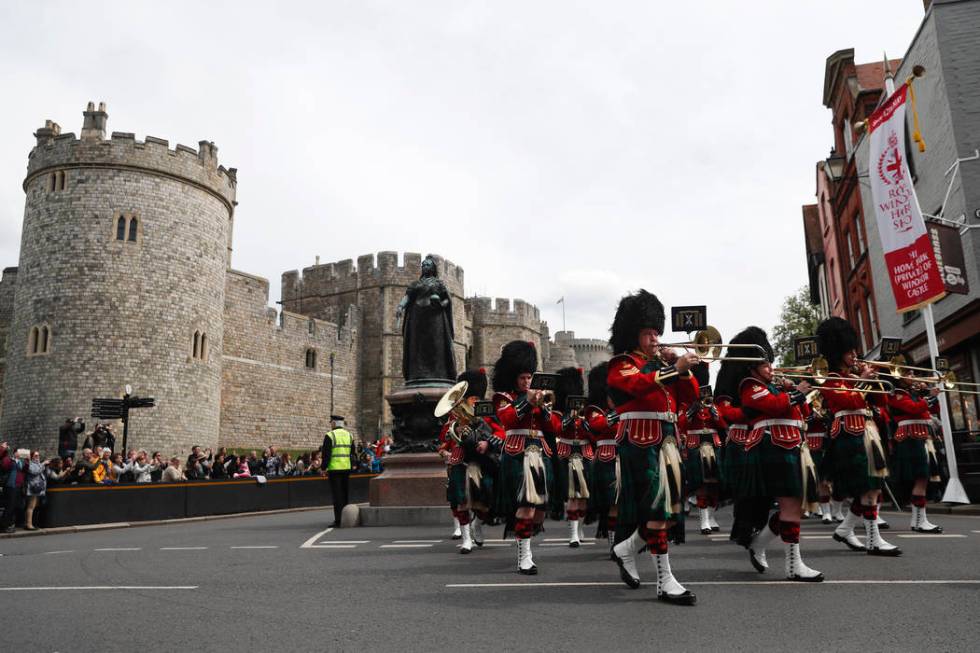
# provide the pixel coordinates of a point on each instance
(278, 582)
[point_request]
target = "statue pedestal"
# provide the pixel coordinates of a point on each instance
(416, 429)
(412, 490)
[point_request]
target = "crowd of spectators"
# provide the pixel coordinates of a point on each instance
(25, 475)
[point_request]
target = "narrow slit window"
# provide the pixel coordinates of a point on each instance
(311, 359)
(53, 180)
(121, 228)
(43, 347)
(32, 341)
(197, 344)
(204, 347)
(133, 226)
(62, 183)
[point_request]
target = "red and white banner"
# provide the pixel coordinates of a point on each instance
(916, 279)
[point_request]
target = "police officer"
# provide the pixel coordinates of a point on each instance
(337, 446)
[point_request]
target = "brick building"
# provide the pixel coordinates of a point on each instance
(125, 278)
(947, 183)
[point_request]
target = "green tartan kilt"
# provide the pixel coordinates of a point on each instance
(694, 470)
(640, 477)
(561, 475)
(769, 470)
(456, 487)
(910, 462)
(733, 468)
(847, 467)
(602, 490)
(511, 480)
(818, 457)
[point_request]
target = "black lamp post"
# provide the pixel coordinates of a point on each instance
(834, 165)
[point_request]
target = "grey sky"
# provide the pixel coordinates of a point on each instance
(576, 149)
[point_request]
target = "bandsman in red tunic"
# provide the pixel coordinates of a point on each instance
(526, 482)
(646, 386)
(856, 459)
(573, 453)
(601, 422)
(775, 463)
(702, 438)
(912, 407)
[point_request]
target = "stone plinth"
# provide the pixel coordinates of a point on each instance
(410, 479)
(416, 427)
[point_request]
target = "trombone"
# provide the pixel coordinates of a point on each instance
(707, 345)
(947, 379)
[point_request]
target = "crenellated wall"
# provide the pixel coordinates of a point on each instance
(496, 322)
(376, 284)
(268, 393)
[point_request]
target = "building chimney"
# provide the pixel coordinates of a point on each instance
(93, 128)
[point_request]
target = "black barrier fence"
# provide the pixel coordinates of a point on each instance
(78, 505)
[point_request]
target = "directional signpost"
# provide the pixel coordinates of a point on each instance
(119, 409)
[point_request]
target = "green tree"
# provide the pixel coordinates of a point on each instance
(798, 318)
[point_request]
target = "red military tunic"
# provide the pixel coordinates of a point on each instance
(602, 431)
(646, 394)
(703, 427)
(735, 420)
(574, 434)
(848, 407)
(522, 422)
(773, 411)
(449, 444)
(913, 416)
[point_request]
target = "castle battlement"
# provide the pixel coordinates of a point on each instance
(199, 167)
(486, 310)
(370, 271)
(251, 292)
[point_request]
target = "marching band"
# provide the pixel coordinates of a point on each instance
(780, 444)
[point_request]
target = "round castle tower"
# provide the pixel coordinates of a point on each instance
(121, 280)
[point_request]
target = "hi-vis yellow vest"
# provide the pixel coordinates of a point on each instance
(340, 453)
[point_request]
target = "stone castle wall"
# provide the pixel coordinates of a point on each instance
(497, 322)
(110, 304)
(8, 284)
(268, 394)
(376, 284)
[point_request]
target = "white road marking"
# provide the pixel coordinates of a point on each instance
(930, 535)
(54, 552)
(416, 541)
(98, 587)
(565, 543)
(565, 539)
(498, 544)
(334, 546)
(121, 548)
(344, 542)
(815, 537)
(975, 531)
(783, 583)
(310, 543)
(406, 546)
(263, 546)
(183, 548)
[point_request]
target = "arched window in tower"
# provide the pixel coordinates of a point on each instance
(32, 342)
(121, 228)
(204, 347)
(43, 341)
(311, 359)
(62, 180)
(133, 227)
(311, 326)
(196, 348)
(39, 340)
(53, 179)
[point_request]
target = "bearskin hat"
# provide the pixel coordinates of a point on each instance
(570, 383)
(476, 382)
(752, 335)
(516, 358)
(597, 385)
(726, 385)
(835, 337)
(701, 373)
(641, 310)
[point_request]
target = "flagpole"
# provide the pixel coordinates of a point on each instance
(955, 492)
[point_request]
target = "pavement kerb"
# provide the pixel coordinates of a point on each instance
(156, 522)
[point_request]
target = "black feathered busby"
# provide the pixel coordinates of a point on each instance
(702, 373)
(516, 357)
(597, 385)
(640, 310)
(752, 335)
(836, 337)
(570, 382)
(726, 385)
(476, 382)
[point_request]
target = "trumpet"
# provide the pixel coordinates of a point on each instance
(819, 379)
(948, 381)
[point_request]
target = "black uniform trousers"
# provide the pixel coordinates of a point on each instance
(339, 492)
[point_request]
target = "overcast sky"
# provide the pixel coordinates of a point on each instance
(576, 149)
